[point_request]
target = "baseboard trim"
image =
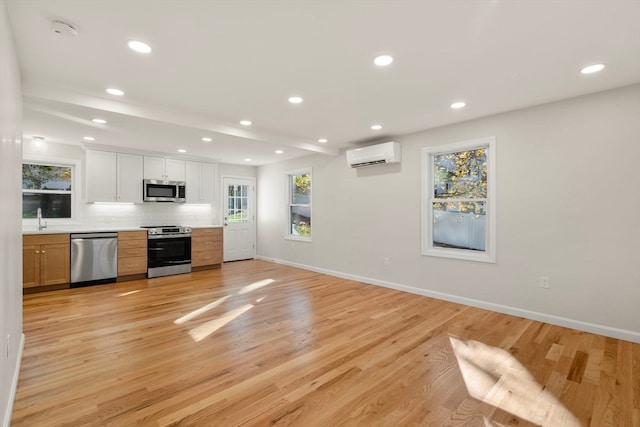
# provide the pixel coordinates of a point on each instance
(14, 385)
(514, 311)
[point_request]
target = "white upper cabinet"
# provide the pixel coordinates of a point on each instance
(113, 177)
(129, 182)
(164, 169)
(200, 182)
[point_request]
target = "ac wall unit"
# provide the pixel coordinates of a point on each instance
(379, 154)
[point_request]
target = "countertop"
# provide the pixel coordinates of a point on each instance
(65, 229)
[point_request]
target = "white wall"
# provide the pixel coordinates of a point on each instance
(11, 337)
(568, 208)
(132, 215)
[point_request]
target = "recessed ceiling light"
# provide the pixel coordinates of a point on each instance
(247, 159)
(206, 139)
(182, 150)
(376, 127)
(114, 91)
(139, 46)
(88, 138)
(458, 105)
(100, 121)
(383, 60)
(295, 99)
(245, 122)
(592, 69)
(323, 140)
(279, 152)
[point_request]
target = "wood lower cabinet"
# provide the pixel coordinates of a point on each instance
(132, 254)
(206, 248)
(46, 260)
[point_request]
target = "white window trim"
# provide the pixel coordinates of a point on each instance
(76, 190)
(287, 234)
(428, 249)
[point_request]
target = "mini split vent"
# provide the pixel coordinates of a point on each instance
(63, 28)
(379, 154)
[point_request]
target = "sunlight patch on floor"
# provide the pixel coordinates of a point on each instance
(256, 285)
(494, 376)
(204, 330)
(201, 310)
(124, 294)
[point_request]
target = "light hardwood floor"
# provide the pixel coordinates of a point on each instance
(256, 343)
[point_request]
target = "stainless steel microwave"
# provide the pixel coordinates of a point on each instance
(163, 191)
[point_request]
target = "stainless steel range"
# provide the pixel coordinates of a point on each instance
(168, 250)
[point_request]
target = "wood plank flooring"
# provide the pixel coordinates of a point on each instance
(261, 344)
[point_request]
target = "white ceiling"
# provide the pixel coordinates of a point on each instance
(217, 62)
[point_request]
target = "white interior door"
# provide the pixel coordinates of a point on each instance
(239, 218)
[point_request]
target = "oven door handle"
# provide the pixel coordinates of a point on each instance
(186, 261)
(169, 236)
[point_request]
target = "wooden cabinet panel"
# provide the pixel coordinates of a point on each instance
(129, 252)
(133, 235)
(202, 258)
(30, 266)
(46, 260)
(206, 247)
(132, 252)
(132, 265)
(55, 264)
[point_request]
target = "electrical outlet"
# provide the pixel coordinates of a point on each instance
(386, 260)
(544, 282)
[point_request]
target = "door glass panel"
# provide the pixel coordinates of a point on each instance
(237, 202)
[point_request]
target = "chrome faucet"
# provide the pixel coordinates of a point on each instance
(40, 226)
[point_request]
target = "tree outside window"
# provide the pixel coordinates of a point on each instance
(299, 212)
(459, 218)
(48, 187)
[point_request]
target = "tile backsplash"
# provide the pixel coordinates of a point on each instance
(149, 214)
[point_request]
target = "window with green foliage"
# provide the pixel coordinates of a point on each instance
(299, 209)
(458, 200)
(48, 187)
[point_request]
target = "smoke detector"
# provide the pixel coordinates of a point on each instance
(63, 28)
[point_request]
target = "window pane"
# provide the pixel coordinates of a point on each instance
(460, 174)
(459, 225)
(52, 205)
(300, 220)
(43, 177)
(301, 189)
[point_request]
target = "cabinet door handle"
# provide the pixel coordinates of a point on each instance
(37, 252)
(43, 252)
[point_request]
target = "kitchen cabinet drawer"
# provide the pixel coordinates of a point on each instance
(132, 253)
(202, 258)
(133, 235)
(206, 247)
(131, 244)
(132, 265)
(200, 232)
(205, 243)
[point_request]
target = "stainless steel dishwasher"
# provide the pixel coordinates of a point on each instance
(94, 258)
